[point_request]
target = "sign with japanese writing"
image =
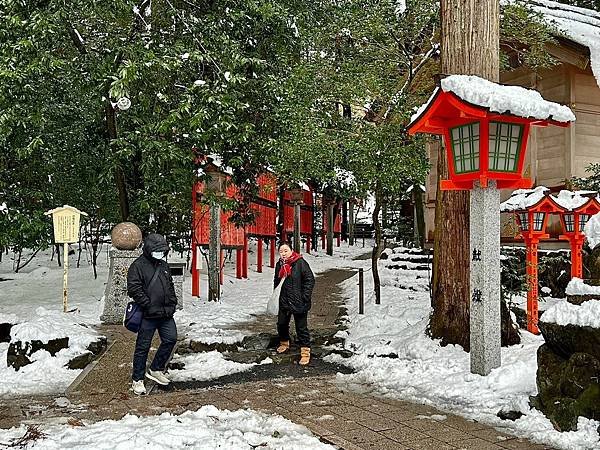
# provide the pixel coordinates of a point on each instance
(66, 224)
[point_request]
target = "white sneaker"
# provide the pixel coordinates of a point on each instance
(158, 376)
(138, 387)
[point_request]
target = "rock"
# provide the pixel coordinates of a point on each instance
(198, 347)
(581, 371)
(81, 361)
(5, 332)
(509, 415)
(98, 346)
(566, 340)
(126, 236)
(94, 350)
(19, 352)
(550, 367)
(579, 299)
(260, 341)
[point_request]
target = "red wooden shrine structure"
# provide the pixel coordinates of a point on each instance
(265, 206)
(574, 210)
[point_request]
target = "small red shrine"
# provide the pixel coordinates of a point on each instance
(579, 207)
(532, 209)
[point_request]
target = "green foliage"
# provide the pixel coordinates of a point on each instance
(591, 182)
(197, 74)
(524, 35)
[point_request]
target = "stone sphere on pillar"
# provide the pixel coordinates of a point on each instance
(126, 236)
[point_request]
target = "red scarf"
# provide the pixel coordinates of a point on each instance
(286, 267)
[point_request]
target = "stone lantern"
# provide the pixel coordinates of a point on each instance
(485, 127)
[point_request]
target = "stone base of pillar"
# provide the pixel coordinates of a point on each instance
(115, 294)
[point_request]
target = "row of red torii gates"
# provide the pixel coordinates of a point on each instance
(266, 206)
(532, 209)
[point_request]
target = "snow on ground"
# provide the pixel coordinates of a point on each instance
(32, 299)
(207, 428)
(412, 367)
(208, 366)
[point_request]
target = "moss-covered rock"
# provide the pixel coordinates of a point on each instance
(581, 371)
(566, 340)
(19, 352)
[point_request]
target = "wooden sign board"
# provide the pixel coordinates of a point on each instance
(66, 224)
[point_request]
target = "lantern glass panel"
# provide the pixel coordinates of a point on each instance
(504, 146)
(465, 147)
(538, 221)
(569, 221)
(523, 220)
(583, 219)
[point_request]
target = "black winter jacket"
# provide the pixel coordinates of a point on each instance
(160, 301)
(297, 289)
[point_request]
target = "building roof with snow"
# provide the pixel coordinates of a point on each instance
(579, 25)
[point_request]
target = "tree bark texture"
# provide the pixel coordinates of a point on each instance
(469, 45)
(111, 124)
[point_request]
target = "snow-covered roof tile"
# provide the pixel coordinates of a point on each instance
(581, 25)
(523, 199)
(515, 100)
(571, 200)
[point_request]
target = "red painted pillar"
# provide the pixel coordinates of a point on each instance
(338, 240)
(238, 263)
(245, 258)
(576, 258)
(222, 267)
(308, 244)
(272, 251)
(259, 254)
(532, 285)
(195, 271)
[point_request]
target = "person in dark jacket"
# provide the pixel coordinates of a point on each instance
(294, 299)
(150, 285)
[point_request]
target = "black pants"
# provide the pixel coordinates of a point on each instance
(301, 321)
(168, 338)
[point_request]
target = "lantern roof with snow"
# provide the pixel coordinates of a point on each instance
(485, 126)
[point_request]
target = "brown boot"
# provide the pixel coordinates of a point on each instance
(284, 346)
(304, 356)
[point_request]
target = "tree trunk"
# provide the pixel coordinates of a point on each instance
(351, 222)
(111, 125)
(419, 217)
(469, 45)
(377, 248)
(330, 225)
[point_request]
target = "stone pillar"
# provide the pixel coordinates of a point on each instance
(115, 293)
(178, 274)
(485, 279)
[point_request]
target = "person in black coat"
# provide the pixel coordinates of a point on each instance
(150, 285)
(294, 299)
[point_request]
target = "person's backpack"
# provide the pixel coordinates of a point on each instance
(132, 319)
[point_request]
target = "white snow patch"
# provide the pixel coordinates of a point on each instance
(577, 287)
(207, 428)
(585, 315)
(206, 366)
(592, 231)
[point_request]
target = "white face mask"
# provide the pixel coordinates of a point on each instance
(159, 255)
